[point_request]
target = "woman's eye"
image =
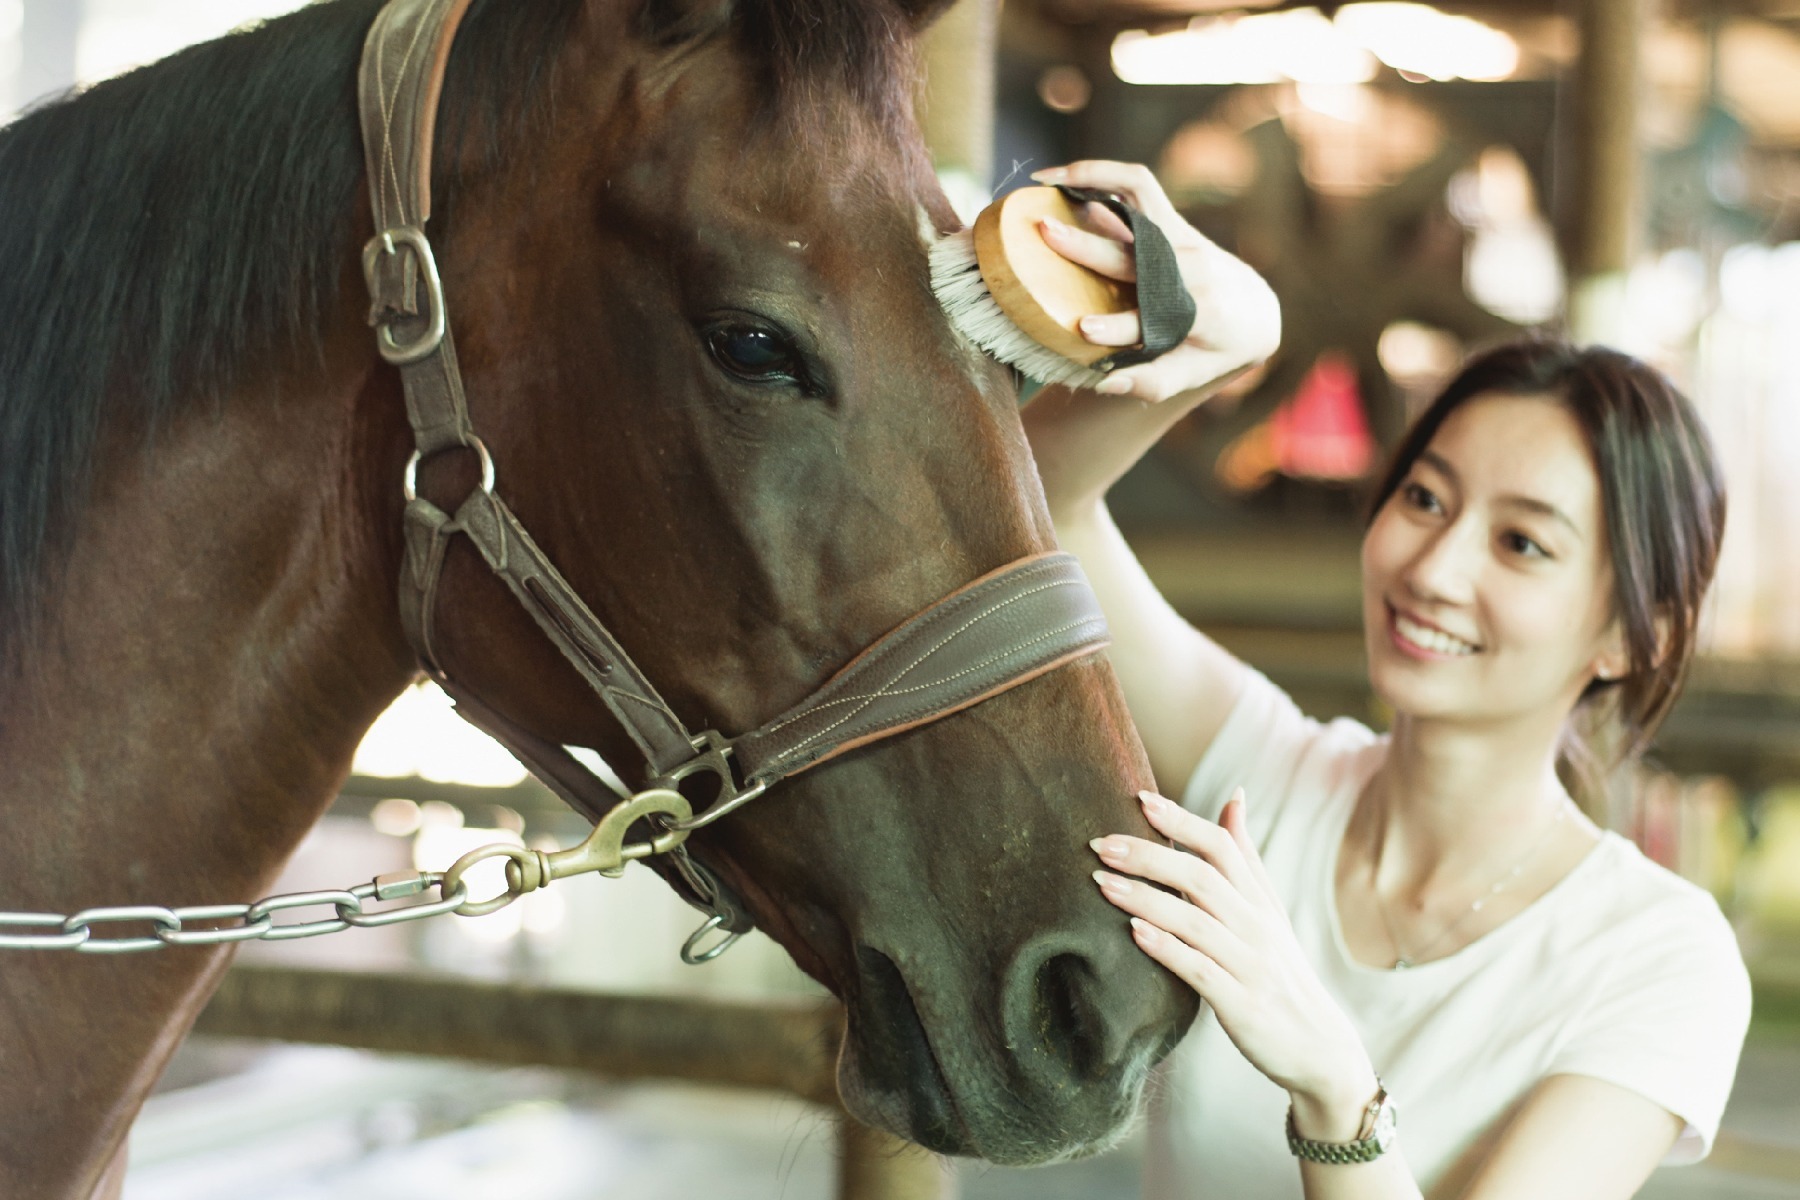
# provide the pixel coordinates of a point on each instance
(755, 355)
(1522, 545)
(1418, 496)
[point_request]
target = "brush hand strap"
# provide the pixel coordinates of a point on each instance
(1165, 306)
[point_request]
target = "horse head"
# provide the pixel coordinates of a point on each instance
(699, 339)
(683, 246)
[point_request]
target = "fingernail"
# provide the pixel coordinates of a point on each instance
(1054, 227)
(1093, 324)
(1111, 884)
(1050, 175)
(1144, 931)
(1153, 804)
(1109, 849)
(1116, 386)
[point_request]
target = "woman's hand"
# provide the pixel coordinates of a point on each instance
(1226, 935)
(1238, 322)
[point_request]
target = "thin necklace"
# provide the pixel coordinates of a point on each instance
(1403, 960)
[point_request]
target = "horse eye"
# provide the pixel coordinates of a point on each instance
(755, 355)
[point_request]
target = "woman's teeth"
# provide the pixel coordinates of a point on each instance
(1430, 639)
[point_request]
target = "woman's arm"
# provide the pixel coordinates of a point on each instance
(1179, 685)
(1576, 1138)
(1223, 931)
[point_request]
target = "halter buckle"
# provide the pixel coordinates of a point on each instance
(716, 758)
(386, 262)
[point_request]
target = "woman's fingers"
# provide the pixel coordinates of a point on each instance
(1132, 181)
(1097, 218)
(1113, 329)
(1192, 924)
(1212, 842)
(1235, 821)
(1191, 966)
(1188, 874)
(1180, 370)
(1104, 255)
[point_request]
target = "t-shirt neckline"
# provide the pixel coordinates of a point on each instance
(1524, 917)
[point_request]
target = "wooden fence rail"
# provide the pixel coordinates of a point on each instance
(787, 1047)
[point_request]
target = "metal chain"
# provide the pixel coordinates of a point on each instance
(605, 852)
(241, 922)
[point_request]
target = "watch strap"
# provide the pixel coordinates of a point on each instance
(1371, 1142)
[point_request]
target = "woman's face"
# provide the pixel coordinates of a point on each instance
(1487, 586)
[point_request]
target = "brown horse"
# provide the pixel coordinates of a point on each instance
(684, 243)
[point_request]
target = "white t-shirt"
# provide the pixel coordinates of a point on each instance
(1623, 971)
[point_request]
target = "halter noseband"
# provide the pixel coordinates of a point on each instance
(1007, 627)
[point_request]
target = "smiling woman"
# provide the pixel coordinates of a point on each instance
(1423, 922)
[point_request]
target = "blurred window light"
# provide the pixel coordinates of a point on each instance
(1421, 42)
(1306, 46)
(1511, 267)
(396, 817)
(420, 734)
(1666, 297)
(1300, 44)
(119, 35)
(1416, 355)
(1064, 89)
(1207, 159)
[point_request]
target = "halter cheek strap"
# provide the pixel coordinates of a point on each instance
(1003, 629)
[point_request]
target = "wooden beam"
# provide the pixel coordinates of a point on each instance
(958, 110)
(789, 1047)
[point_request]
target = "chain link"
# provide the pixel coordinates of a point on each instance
(226, 923)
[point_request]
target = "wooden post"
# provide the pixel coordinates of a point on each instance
(877, 1166)
(1606, 162)
(958, 106)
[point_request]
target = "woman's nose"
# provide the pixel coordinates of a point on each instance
(1445, 567)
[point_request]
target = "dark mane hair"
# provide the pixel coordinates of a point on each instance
(1662, 494)
(189, 224)
(186, 223)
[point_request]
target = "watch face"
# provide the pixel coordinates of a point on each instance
(1387, 1125)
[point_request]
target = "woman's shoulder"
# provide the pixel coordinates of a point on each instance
(1284, 759)
(1659, 994)
(1629, 898)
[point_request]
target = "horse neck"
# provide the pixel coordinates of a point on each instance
(220, 633)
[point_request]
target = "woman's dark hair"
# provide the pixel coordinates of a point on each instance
(1661, 491)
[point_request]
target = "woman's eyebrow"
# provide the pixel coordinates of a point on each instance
(1542, 507)
(1441, 465)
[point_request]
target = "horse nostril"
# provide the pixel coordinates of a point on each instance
(1060, 1021)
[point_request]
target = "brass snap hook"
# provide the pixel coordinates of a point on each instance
(604, 852)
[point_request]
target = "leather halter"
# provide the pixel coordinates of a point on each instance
(1005, 628)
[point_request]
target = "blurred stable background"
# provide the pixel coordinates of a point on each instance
(1414, 181)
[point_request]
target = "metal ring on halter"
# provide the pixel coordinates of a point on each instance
(409, 484)
(694, 958)
(701, 820)
(389, 244)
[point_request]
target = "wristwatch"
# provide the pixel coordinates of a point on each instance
(1380, 1129)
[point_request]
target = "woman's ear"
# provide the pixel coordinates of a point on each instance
(1613, 662)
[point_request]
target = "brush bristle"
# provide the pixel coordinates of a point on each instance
(973, 311)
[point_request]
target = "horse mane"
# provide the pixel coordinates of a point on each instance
(168, 234)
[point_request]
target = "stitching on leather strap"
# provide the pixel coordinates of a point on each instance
(872, 697)
(889, 690)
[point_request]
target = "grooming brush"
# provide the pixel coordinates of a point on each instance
(1007, 291)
